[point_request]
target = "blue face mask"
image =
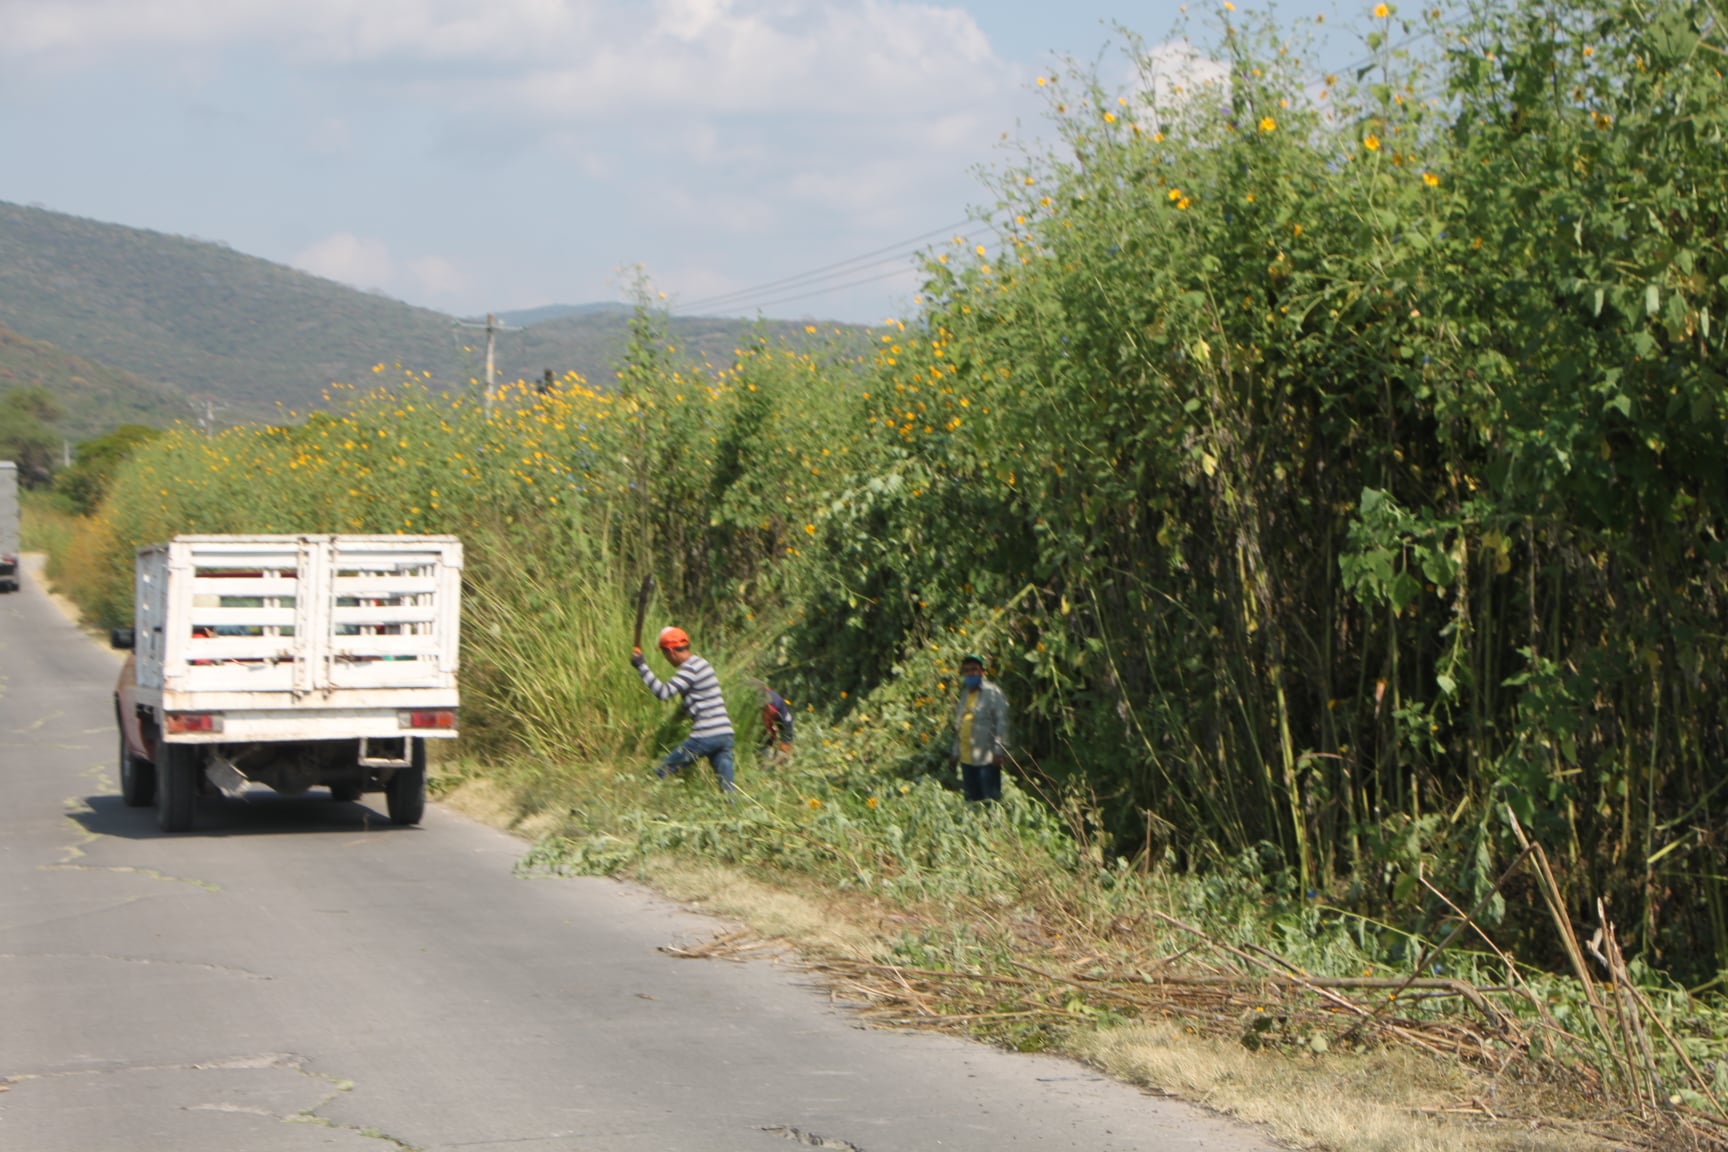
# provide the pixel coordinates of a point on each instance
(971, 681)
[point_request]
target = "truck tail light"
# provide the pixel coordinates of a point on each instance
(194, 722)
(433, 718)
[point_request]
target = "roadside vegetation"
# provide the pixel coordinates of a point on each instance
(1332, 469)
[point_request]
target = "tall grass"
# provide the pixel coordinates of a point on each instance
(46, 524)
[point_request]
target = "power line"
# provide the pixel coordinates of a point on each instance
(828, 269)
(844, 274)
(890, 274)
(817, 281)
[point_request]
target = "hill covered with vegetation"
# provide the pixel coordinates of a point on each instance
(208, 320)
(153, 319)
(92, 398)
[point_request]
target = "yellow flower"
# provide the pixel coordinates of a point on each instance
(1042, 81)
(1371, 142)
(1175, 194)
(1430, 179)
(905, 789)
(1381, 11)
(870, 803)
(1229, 7)
(810, 529)
(1268, 125)
(813, 802)
(980, 249)
(1109, 117)
(1183, 203)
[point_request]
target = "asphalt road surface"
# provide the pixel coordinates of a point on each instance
(297, 974)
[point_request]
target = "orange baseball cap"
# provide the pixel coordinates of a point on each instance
(673, 638)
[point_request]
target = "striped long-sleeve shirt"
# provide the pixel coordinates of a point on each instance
(696, 683)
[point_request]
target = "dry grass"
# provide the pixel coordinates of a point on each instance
(814, 923)
(493, 802)
(1386, 1100)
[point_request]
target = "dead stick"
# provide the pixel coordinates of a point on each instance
(1556, 909)
(1348, 1005)
(1632, 1018)
(1433, 953)
(1520, 987)
(1698, 1081)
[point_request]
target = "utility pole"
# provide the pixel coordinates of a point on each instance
(491, 358)
(492, 329)
(208, 419)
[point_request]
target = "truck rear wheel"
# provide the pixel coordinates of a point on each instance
(405, 794)
(137, 778)
(176, 786)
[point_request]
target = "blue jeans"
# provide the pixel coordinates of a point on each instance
(717, 750)
(981, 781)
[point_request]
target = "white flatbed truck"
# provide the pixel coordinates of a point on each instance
(292, 661)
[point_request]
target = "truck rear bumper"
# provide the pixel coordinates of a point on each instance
(266, 726)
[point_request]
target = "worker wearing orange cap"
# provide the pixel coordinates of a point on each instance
(711, 732)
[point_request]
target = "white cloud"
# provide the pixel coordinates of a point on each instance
(1176, 75)
(349, 259)
(563, 59)
(436, 276)
(365, 263)
(330, 30)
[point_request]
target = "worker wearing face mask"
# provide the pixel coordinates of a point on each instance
(980, 732)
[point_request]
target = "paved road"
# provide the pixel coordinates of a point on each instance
(297, 974)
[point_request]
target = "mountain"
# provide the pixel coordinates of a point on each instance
(93, 397)
(201, 317)
(151, 323)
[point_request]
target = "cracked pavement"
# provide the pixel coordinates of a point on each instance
(297, 973)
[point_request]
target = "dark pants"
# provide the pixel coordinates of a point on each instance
(717, 749)
(981, 781)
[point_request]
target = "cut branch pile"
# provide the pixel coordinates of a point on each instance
(1622, 1060)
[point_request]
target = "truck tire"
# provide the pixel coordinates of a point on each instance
(405, 794)
(177, 786)
(137, 778)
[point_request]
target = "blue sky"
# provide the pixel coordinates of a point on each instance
(473, 156)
